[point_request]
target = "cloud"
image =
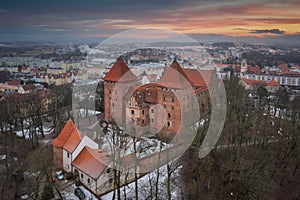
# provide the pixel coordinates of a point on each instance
(54, 30)
(263, 31)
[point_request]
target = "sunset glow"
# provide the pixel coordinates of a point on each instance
(90, 19)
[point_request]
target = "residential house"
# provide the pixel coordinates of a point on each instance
(74, 152)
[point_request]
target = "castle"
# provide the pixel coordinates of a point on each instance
(154, 107)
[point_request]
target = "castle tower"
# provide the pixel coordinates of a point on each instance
(173, 80)
(116, 83)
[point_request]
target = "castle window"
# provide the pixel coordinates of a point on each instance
(172, 107)
(132, 112)
(152, 110)
(164, 98)
(143, 112)
(113, 105)
(89, 181)
(143, 121)
(110, 180)
(68, 155)
(169, 124)
(108, 170)
(81, 175)
(169, 115)
(172, 99)
(152, 120)
(165, 106)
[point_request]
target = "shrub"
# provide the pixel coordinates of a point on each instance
(69, 175)
(77, 183)
(48, 192)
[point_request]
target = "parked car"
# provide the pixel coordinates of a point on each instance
(79, 193)
(59, 175)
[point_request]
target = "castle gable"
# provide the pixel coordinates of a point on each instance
(175, 77)
(120, 72)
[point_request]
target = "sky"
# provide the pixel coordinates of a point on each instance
(57, 20)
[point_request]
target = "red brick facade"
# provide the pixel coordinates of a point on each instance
(156, 107)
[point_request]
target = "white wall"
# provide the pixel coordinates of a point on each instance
(86, 141)
(67, 161)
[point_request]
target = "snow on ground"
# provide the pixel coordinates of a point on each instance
(199, 124)
(2, 157)
(69, 193)
(85, 82)
(144, 185)
(84, 113)
(46, 131)
(145, 146)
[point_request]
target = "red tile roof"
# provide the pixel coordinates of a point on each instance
(255, 69)
(29, 87)
(175, 77)
(273, 83)
(120, 72)
(254, 82)
(283, 68)
(14, 82)
(91, 161)
(68, 138)
(146, 93)
(73, 141)
(198, 77)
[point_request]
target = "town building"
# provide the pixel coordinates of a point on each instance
(77, 153)
(271, 86)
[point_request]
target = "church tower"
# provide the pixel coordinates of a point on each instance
(244, 66)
